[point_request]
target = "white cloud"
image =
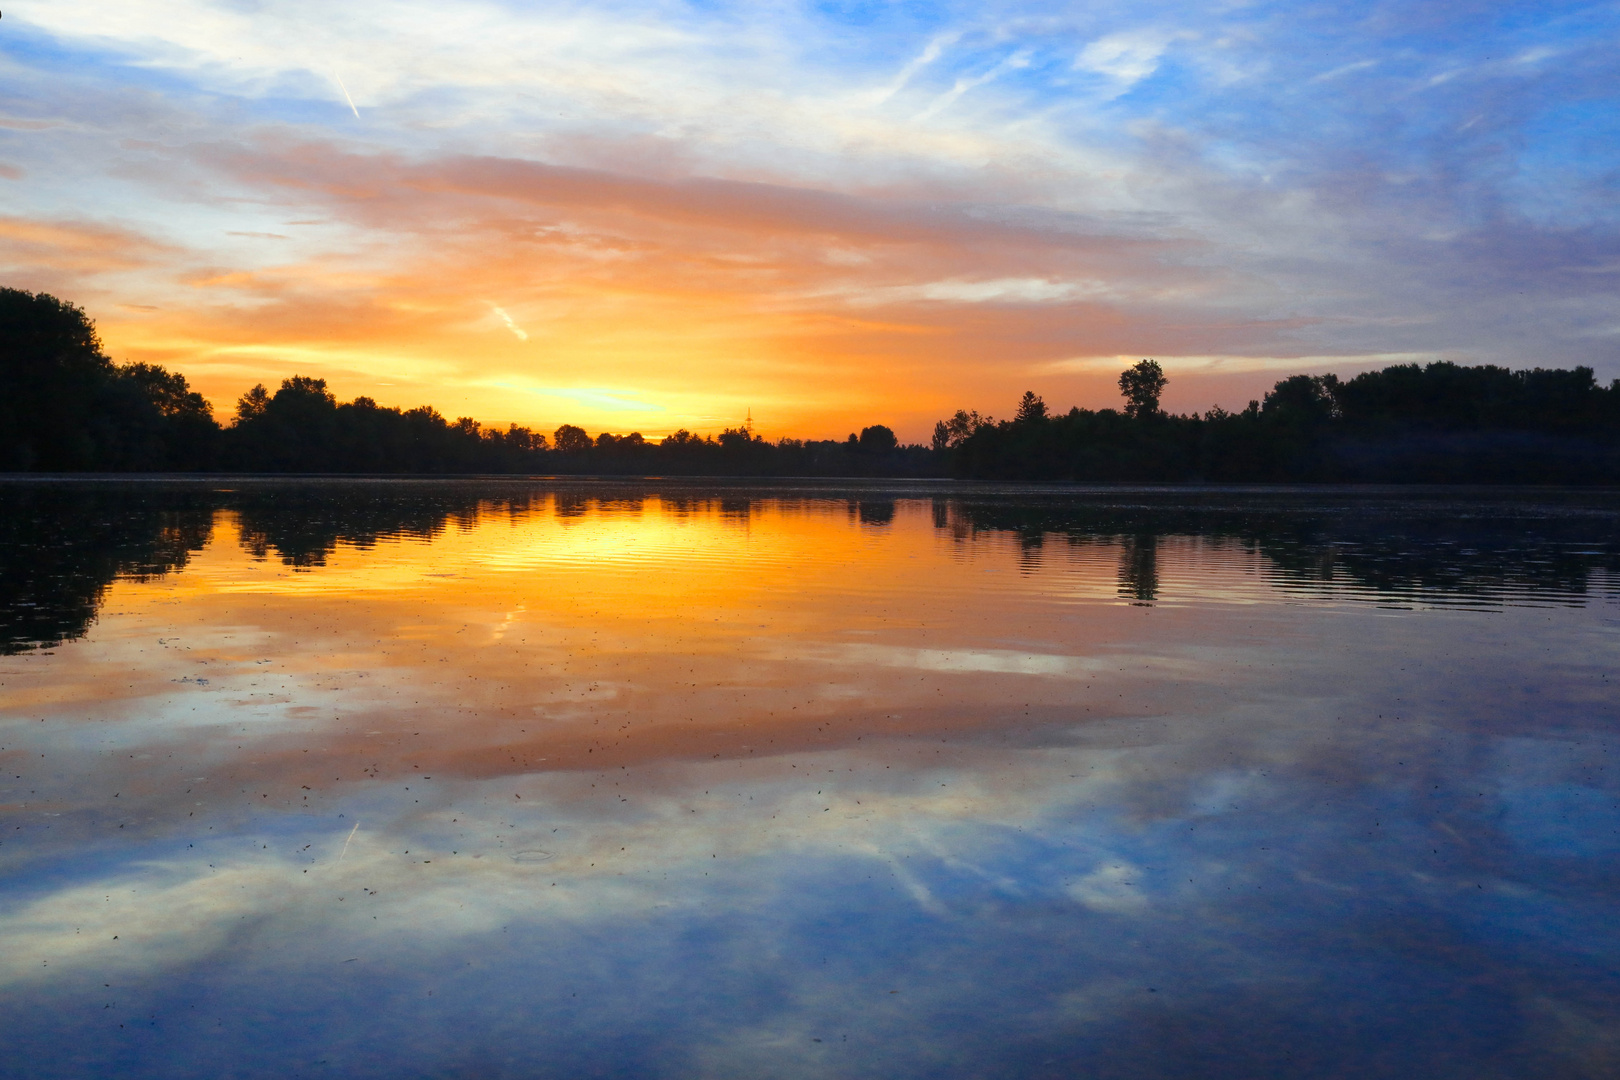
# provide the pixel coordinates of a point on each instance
(963, 85)
(930, 53)
(994, 291)
(1128, 58)
(1344, 69)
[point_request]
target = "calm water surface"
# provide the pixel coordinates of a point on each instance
(527, 780)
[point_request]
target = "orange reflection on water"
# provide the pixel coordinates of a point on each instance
(569, 633)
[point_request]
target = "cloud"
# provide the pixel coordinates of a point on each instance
(1344, 69)
(614, 401)
(931, 52)
(517, 331)
(1127, 58)
(1000, 290)
(963, 85)
(84, 248)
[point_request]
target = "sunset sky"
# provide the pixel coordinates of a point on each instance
(649, 215)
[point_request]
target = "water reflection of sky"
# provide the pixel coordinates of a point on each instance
(509, 781)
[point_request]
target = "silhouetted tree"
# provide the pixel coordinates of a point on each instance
(52, 372)
(1303, 400)
(737, 439)
(878, 439)
(252, 405)
(949, 434)
(65, 405)
(1032, 410)
(177, 423)
(1142, 383)
(571, 440)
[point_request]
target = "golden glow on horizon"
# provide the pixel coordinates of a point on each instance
(653, 307)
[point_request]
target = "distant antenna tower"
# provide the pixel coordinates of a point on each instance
(748, 425)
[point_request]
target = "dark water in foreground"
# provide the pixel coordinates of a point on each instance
(519, 780)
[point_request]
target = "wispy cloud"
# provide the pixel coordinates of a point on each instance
(930, 53)
(1127, 58)
(517, 331)
(1344, 69)
(963, 85)
(612, 401)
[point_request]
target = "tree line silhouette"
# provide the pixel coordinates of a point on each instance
(66, 407)
(1410, 423)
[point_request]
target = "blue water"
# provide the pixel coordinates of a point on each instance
(518, 780)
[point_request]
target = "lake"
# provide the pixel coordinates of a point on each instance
(686, 779)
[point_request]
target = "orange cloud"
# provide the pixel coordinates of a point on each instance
(73, 247)
(646, 304)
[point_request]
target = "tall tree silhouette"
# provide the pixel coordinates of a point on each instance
(52, 373)
(65, 406)
(1031, 409)
(1142, 383)
(571, 440)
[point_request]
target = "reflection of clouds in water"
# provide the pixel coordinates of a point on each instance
(966, 661)
(1000, 661)
(968, 821)
(482, 842)
(551, 858)
(1112, 888)
(1553, 801)
(1220, 792)
(734, 931)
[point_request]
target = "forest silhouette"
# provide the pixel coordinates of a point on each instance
(67, 407)
(1439, 423)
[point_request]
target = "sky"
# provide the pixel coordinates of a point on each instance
(654, 215)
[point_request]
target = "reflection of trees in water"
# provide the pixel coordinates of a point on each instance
(876, 512)
(303, 524)
(62, 546)
(1139, 568)
(1447, 550)
(571, 504)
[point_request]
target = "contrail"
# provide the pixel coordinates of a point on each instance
(522, 334)
(345, 850)
(346, 96)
